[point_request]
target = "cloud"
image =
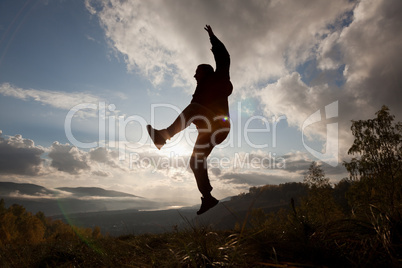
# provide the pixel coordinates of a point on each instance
(68, 158)
(100, 161)
(295, 57)
(101, 173)
(17, 194)
(215, 171)
(106, 162)
(104, 156)
(162, 39)
(292, 97)
(297, 162)
(260, 168)
(20, 156)
(56, 99)
(254, 178)
(371, 51)
(352, 50)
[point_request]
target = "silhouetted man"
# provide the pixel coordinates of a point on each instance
(209, 111)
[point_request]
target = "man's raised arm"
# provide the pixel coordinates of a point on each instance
(222, 57)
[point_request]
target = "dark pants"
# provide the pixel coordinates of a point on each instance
(212, 130)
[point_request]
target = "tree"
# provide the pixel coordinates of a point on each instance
(376, 167)
(2, 206)
(315, 177)
(341, 190)
(319, 206)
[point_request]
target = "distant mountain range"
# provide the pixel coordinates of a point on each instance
(12, 188)
(94, 191)
(119, 213)
(64, 200)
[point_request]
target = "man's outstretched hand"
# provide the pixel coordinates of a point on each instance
(209, 30)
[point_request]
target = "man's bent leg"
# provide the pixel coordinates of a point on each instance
(159, 137)
(193, 112)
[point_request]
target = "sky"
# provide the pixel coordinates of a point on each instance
(80, 80)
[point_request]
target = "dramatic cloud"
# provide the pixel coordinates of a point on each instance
(350, 48)
(101, 161)
(68, 158)
(369, 49)
(264, 38)
(292, 97)
(290, 58)
(19, 156)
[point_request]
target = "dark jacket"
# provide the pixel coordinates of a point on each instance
(213, 91)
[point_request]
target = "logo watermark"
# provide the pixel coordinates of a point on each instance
(240, 161)
(240, 135)
(330, 156)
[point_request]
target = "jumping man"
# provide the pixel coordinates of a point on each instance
(209, 111)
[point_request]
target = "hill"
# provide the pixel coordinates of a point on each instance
(94, 191)
(267, 236)
(67, 200)
(10, 188)
(119, 213)
(225, 215)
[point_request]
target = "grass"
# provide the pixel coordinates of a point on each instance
(293, 237)
(277, 241)
(200, 247)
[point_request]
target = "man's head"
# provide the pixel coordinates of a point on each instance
(203, 71)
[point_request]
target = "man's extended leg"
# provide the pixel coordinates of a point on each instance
(192, 113)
